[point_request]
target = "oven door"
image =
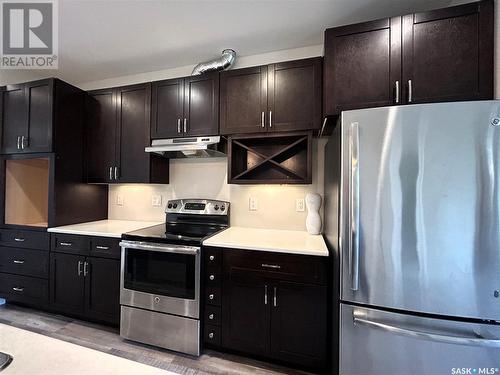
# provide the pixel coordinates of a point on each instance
(161, 277)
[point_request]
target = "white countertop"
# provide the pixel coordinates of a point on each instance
(282, 241)
(104, 228)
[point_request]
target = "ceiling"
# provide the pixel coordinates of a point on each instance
(111, 38)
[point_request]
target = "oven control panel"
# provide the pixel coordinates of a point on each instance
(197, 206)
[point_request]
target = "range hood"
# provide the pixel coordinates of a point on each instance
(191, 147)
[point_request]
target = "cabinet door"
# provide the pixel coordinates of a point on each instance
(294, 95)
(448, 54)
(102, 289)
(14, 119)
(133, 132)
(362, 65)
(245, 312)
(40, 99)
(101, 142)
(201, 105)
(167, 107)
(243, 100)
(299, 323)
(67, 283)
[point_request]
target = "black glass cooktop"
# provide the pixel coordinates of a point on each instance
(175, 233)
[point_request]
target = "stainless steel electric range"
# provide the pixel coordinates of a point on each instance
(160, 275)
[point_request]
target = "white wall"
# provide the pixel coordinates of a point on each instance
(207, 178)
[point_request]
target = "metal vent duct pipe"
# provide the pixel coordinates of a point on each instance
(222, 63)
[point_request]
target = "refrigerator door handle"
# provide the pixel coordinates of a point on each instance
(354, 205)
(470, 341)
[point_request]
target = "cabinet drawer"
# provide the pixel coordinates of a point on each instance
(24, 262)
(298, 268)
(212, 256)
(24, 238)
(212, 296)
(212, 315)
(105, 247)
(24, 288)
(70, 243)
(212, 335)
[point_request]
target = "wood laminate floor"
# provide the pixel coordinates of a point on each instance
(107, 340)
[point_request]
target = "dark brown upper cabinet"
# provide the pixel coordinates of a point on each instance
(277, 97)
(448, 54)
(434, 56)
(28, 115)
(186, 106)
(118, 132)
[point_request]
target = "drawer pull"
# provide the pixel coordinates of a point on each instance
(211, 296)
(19, 239)
(18, 289)
(16, 261)
(212, 277)
(273, 266)
(211, 335)
(211, 317)
(65, 243)
(212, 257)
(102, 247)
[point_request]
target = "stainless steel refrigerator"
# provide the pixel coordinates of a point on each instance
(412, 216)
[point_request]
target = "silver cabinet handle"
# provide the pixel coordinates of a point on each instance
(211, 335)
(323, 127)
(211, 257)
(410, 91)
(397, 92)
(270, 119)
(265, 294)
(211, 317)
(471, 341)
(18, 289)
(65, 243)
(116, 173)
(262, 120)
(273, 266)
(17, 239)
(210, 296)
(23, 143)
(275, 299)
(19, 142)
(16, 261)
(178, 125)
(354, 205)
(85, 268)
(102, 247)
(110, 173)
(79, 268)
(185, 125)
(212, 277)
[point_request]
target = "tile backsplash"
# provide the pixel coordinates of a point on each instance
(207, 178)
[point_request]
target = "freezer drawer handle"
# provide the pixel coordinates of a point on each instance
(471, 341)
(354, 206)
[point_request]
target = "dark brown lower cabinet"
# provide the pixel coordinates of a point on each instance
(274, 306)
(85, 286)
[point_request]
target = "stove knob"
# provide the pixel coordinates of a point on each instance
(169, 205)
(222, 208)
(216, 207)
(175, 205)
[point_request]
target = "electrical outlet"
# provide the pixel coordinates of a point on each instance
(156, 200)
(300, 205)
(119, 200)
(253, 204)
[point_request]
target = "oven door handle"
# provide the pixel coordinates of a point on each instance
(190, 250)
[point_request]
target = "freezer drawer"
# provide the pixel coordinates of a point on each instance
(381, 343)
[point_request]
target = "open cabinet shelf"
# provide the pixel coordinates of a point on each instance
(270, 159)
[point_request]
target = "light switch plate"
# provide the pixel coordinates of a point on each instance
(119, 200)
(156, 200)
(300, 205)
(253, 204)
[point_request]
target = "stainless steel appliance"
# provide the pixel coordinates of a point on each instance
(190, 147)
(160, 275)
(412, 200)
